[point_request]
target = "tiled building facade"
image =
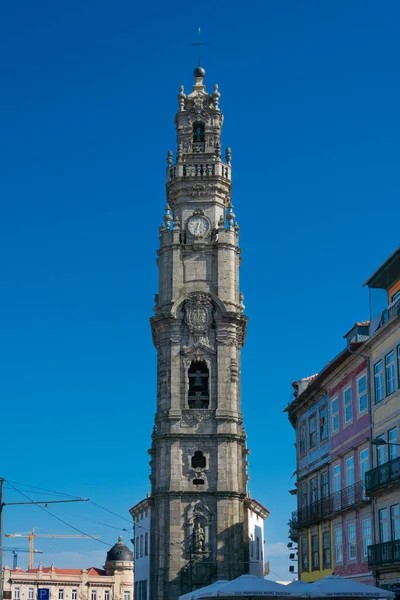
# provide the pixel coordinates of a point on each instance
(348, 519)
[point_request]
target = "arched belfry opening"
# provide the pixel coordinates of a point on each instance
(198, 394)
(198, 133)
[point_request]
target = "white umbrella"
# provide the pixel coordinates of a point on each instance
(300, 588)
(341, 587)
(195, 593)
(248, 585)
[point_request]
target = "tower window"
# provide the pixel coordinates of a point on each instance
(198, 460)
(198, 396)
(198, 133)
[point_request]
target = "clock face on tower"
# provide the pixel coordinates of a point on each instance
(198, 226)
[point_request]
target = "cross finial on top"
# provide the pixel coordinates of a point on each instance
(199, 44)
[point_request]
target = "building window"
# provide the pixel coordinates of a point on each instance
(106, 594)
(312, 432)
(395, 522)
(257, 547)
(127, 595)
(304, 554)
(30, 593)
(364, 465)
(251, 546)
(198, 396)
(335, 415)
(302, 439)
(383, 525)
(16, 594)
(315, 552)
(74, 595)
(137, 547)
(313, 490)
(136, 591)
(146, 513)
(325, 484)
(337, 484)
(351, 541)
(398, 365)
(350, 471)
(389, 373)
(362, 394)
(366, 536)
(338, 540)
(392, 439)
(348, 405)
(303, 495)
(378, 382)
(381, 452)
(93, 595)
(323, 425)
(60, 594)
(144, 596)
(141, 515)
(146, 544)
(141, 547)
(326, 550)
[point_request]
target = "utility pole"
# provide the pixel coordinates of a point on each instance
(3, 504)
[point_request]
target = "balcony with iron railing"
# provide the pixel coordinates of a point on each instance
(325, 508)
(384, 554)
(382, 476)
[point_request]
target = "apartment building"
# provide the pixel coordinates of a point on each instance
(347, 422)
(383, 480)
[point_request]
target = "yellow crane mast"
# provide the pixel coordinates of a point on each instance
(31, 535)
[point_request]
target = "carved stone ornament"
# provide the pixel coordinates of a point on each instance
(198, 317)
(234, 370)
(193, 419)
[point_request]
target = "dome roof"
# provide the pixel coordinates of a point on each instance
(119, 552)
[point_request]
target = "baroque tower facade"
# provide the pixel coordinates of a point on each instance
(198, 452)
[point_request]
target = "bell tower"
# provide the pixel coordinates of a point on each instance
(198, 452)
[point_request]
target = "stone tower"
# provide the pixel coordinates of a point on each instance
(198, 453)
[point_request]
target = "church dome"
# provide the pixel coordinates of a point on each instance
(199, 72)
(119, 552)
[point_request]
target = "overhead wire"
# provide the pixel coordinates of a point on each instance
(46, 510)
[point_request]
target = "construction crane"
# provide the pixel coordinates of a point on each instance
(15, 552)
(31, 535)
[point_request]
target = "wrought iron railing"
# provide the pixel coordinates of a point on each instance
(333, 504)
(382, 476)
(386, 553)
(391, 312)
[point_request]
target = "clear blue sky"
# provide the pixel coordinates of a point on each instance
(311, 95)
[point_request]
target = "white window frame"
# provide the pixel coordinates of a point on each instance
(351, 541)
(352, 469)
(74, 594)
(347, 405)
(16, 593)
(60, 593)
(366, 536)
(378, 377)
(303, 439)
(338, 544)
(393, 439)
(106, 594)
(337, 476)
(312, 418)
(31, 593)
(127, 595)
(362, 394)
(362, 461)
(389, 368)
(321, 425)
(335, 416)
(93, 594)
